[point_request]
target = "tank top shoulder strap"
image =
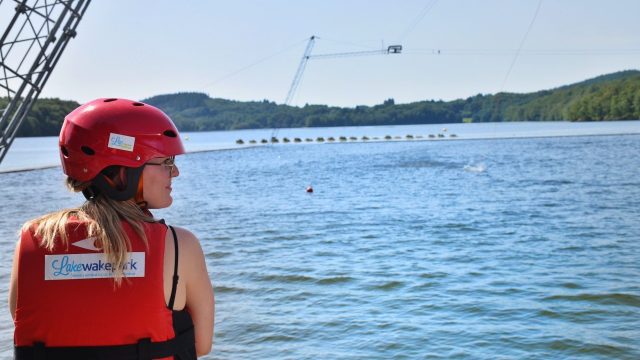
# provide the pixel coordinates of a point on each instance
(174, 285)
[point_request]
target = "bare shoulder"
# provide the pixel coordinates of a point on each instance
(189, 243)
(199, 291)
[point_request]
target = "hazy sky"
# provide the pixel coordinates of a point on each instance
(452, 48)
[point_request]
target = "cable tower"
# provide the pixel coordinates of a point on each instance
(300, 71)
(30, 48)
(392, 49)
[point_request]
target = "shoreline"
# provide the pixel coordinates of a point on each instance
(359, 141)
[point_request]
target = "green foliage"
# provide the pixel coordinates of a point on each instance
(45, 118)
(618, 99)
(609, 97)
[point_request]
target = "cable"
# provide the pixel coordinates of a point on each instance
(347, 54)
(236, 72)
(524, 38)
(417, 19)
(541, 52)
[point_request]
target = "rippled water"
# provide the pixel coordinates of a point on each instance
(490, 249)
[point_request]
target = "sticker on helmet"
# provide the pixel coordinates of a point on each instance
(121, 142)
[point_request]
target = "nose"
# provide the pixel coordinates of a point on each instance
(175, 172)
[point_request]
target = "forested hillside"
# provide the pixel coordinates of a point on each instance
(45, 117)
(609, 97)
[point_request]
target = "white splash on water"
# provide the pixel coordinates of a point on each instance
(475, 168)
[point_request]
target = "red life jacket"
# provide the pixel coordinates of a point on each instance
(67, 298)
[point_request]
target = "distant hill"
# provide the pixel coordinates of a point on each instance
(45, 117)
(608, 97)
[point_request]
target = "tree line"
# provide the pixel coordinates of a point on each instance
(45, 117)
(608, 97)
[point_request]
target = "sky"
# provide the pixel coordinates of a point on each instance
(250, 49)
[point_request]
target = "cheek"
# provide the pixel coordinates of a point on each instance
(154, 191)
(149, 185)
(146, 182)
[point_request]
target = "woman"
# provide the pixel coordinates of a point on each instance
(107, 280)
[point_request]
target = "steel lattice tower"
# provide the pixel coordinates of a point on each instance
(30, 47)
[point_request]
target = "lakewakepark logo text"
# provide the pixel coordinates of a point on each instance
(90, 266)
(121, 142)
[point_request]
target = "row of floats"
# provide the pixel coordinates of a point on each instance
(320, 139)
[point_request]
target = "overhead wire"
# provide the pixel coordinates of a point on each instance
(524, 38)
(347, 54)
(541, 52)
(247, 67)
(430, 4)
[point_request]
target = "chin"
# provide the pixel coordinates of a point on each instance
(160, 204)
(165, 204)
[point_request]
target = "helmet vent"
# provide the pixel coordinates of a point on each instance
(110, 100)
(137, 104)
(170, 133)
(64, 151)
(87, 150)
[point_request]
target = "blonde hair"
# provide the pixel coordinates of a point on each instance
(103, 218)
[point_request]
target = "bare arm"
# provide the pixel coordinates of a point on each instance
(199, 293)
(13, 284)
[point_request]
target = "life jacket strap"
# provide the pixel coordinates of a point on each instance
(142, 350)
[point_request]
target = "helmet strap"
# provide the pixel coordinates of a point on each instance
(89, 193)
(102, 184)
(139, 199)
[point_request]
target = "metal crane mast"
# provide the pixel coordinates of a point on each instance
(300, 71)
(30, 48)
(392, 49)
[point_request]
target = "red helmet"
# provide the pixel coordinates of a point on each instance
(107, 132)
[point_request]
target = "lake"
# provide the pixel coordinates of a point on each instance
(513, 241)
